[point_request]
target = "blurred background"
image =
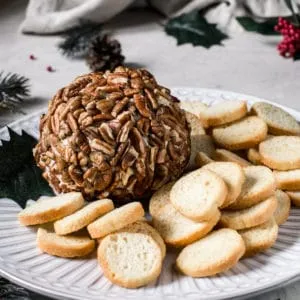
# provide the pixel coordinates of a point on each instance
(169, 38)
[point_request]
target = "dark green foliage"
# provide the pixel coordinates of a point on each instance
(194, 29)
(20, 178)
(265, 27)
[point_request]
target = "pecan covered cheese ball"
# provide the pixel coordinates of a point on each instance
(115, 134)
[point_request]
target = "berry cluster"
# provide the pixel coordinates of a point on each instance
(290, 45)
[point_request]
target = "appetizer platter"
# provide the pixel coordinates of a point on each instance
(160, 194)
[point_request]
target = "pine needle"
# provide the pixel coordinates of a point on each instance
(77, 39)
(14, 88)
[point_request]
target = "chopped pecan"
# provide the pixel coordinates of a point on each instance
(105, 105)
(102, 146)
(124, 132)
(141, 105)
(106, 133)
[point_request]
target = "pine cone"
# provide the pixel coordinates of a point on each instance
(104, 54)
(115, 134)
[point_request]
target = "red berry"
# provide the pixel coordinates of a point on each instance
(290, 45)
(32, 57)
(50, 69)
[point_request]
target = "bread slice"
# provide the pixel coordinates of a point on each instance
(195, 124)
(224, 112)
(145, 228)
(83, 217)
(282, 211)
(287, 180)
(253, 153)
(225, 155)
(232, 174)
(200, 143)
(130, 259)
(278, 120)
(281, 152)
(259, 185)
(51, 209)
(194, 107)
(295, 197)
(254, 156)
(198, 194)
(242, 134)
(249, 217)
(75, 245)
(259, 238)
(215, 253)
(202, 159)
(116, 219)
(175, 229)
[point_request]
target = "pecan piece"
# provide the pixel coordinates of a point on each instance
(124, 132)
(103, 147)
(141, 105)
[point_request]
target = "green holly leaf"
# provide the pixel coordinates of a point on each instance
(265, 28)
(192, 28)
(20, 178)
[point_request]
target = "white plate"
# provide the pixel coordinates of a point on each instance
(22, 263)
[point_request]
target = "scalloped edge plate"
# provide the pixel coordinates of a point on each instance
(22, 263)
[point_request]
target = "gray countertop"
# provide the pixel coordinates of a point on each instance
(248, 63)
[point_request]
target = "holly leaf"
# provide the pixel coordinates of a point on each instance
(20, 178)
(192, 28)
(265, 27)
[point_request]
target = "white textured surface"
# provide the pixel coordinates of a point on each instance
(22, 262)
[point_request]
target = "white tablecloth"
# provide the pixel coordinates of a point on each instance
(248, 63)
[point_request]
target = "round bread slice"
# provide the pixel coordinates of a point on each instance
(259, 238)
(198, 194)
(287, 180)
(145, 228)
(116, 219)
(195, 124)
(232, 174)
(215, 253)
(130, 259)
(282, 211)
(202, 159)
(281, 152)
(295, 197)
(224, 112)
(51, 209)
(259, 185)
(249, 217)
(200, 143)
(76, 245)
(242, 134)
(225, 155)
(194, 107)
(83, 217)
(175, 229)
(278, 120)
(254, 156)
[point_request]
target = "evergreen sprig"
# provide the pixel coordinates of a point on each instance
(77, 39)
(14, 88)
